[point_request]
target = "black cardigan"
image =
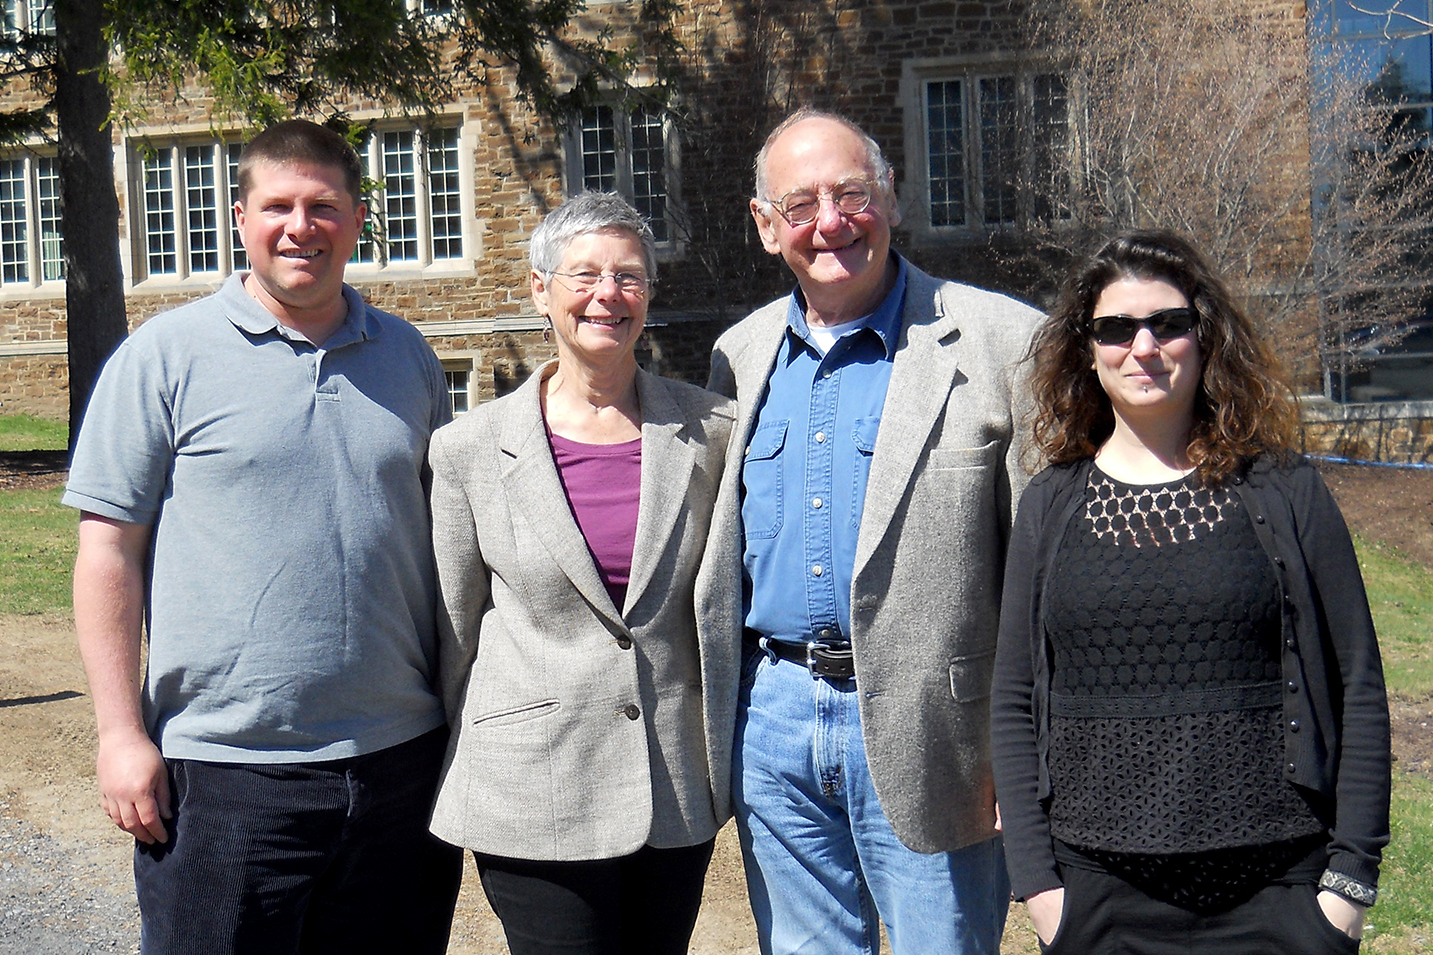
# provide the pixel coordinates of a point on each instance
(1335, 713)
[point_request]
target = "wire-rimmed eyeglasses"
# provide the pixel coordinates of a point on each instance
(800, 206)
(588, 280)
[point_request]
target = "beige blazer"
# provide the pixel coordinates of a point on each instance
(925, 596)
(580, 729)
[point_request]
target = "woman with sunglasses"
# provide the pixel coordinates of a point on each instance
(1190, 732)
(588, 771)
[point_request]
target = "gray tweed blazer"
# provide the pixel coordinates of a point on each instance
(925, 602)
(580, 729)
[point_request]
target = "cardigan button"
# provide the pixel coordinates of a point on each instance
(1293, 687)
(1294, 726)
(1291, 643)
(631, 711)
(1258, 518)
(625, 642)
(1290, 769)
(1278, 562)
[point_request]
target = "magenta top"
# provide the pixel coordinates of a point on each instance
(603, 484)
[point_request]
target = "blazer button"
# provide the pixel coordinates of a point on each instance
(625, 642)
(631, 711)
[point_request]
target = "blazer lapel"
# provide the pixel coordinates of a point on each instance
(921, 378)
(667, 462)
(530, 479)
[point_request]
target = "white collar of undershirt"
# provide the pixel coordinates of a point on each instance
(824, 336)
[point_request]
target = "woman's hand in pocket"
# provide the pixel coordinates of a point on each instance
(1045, 908)
(1342, 914)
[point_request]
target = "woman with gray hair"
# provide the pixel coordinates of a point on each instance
(587, 771)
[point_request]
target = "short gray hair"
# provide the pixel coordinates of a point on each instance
(584, 214)
(880, 169)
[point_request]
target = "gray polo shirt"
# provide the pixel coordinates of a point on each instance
(290, 598)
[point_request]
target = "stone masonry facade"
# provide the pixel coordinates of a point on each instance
(745, 64)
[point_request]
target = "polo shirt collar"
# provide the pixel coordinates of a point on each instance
(248, 315)
(885, 321)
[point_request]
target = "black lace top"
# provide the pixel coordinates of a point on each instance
(1163, 619)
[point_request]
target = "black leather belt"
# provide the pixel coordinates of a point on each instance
(833, 661)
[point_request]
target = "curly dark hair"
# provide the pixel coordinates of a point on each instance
(1244, 406)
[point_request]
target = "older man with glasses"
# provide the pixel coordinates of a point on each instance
(858, 547)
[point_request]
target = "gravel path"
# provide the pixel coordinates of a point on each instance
(53, 901)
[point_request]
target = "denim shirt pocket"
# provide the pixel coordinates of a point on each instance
(863, 436)
(761, 481)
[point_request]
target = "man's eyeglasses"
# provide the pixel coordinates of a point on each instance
(1164, 324)
(801, 206)
(587, 281)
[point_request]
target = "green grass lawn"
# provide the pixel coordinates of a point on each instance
(22, 432)
(1400, 592)
(37, 552)
(1401, 595)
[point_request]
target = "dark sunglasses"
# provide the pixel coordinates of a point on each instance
(1164, 324)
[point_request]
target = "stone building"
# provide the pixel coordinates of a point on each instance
(969, 118)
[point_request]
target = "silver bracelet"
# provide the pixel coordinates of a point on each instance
(1348, 887)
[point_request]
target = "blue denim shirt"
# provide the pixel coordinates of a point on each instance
(805, 468)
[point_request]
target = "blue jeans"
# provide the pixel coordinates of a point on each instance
(822, 863)
(306, 858)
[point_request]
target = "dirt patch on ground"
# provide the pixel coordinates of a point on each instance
(1387, 504)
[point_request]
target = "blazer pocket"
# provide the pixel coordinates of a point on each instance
(954, 459)
(517, 714)
(970, 676)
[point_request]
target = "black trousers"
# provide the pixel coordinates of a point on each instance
(642, 904)
(328, 858)
(1105, 915)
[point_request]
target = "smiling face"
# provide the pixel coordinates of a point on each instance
(600, 326)
(839, 259)
(1146, 378)
(299, 225)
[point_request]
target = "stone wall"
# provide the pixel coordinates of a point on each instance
(1392, 433)
(744, 65)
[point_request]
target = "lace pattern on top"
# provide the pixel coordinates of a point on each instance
(1163, 621)
(1152, 516)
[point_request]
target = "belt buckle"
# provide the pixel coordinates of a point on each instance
(824, 665)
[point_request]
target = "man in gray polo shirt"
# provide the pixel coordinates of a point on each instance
(252, 487)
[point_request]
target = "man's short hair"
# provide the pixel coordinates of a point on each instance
(297, 141)
(880, 169)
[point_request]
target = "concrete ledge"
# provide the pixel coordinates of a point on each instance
(18, 349)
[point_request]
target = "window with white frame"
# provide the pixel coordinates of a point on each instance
(626, 152)
(186, 192)
(993, 147)
(31, 247)
(418, 210)
(29, 16)
(459, 376)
